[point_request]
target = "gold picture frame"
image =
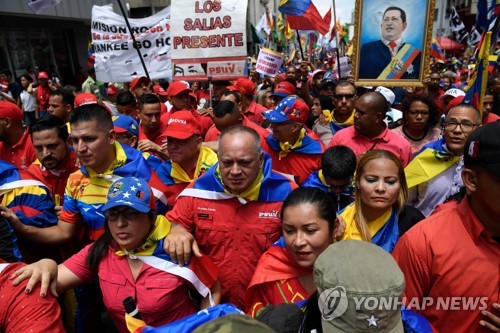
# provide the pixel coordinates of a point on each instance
(373, 62)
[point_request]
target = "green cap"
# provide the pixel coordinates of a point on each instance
(360, 288)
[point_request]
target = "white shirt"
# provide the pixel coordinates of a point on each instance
(28, 101)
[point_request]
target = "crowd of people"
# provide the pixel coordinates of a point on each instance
(264, 192)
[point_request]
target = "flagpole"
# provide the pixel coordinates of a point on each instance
(133, 38)
(300, 44)
(336, 37)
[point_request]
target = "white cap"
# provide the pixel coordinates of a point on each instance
(388, 94)
(453, 92)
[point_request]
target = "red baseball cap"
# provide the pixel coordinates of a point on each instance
(454, 102)
(159, 90)
(244, 86)
(138, 80)
(43, 75)
(182, 125)
(291, 108)
(176, 88)
(284, 89)
(112, 89)
(84, 99)
(11, 111)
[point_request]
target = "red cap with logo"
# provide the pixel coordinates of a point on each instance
(138, 80)
(159, 90)
(112, 89)
(284, 89)
(11, 111)
(182, 125)
(43, 75)
(176, 88)
(84, 99)
(244, 86)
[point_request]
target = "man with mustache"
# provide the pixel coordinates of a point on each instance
(390, 57)
(444, 175)
(55, 162)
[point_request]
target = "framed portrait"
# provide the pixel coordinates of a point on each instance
(392, 42)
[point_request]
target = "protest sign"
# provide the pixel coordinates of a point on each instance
(116, 60)
(208, 39)
(345, 67)
(268, 62)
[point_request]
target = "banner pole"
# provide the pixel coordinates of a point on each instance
(133, 38)
(336, 37)
(300, 45)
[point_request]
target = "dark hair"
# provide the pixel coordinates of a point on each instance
(148, 99)
(100, 247)
(338, 162)
(427, 100)
(69, 88)
(27, 77)
(241, 129)
(90, 112)
(326, 102)
(314, 196)
(225, 107)
(67, 96)
(237, 95)
(403, 14)
(91, 70)
(126, 98)
(49, 122)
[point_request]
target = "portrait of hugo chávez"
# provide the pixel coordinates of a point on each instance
(396, 54)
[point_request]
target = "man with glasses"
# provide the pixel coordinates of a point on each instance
(435, 172)
(294, 149)
(338, 164)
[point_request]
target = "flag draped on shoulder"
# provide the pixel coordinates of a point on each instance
(200, 271)
(269, 186)
(303, 15)
(432, 160)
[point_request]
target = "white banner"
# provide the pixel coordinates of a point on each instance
(116, 60)
(208, 29)
(269, 62)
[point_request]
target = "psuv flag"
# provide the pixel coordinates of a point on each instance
(303, 15)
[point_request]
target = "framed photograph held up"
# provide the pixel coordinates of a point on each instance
(392, 42)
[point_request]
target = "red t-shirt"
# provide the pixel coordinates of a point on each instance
(254, 112)
(22, 154)
(447, 256)
(213, 133)
(21, 312)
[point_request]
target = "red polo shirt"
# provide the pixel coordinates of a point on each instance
(232, 234)
(22, 154)
(450, 254)
(254, 112)
(157, 137)
(360, 144)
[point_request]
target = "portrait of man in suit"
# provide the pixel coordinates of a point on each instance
(390, 57)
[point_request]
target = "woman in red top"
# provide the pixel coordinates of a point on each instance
(284, 272)
(129, 260)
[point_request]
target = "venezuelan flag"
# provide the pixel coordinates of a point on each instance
(492, 61)
(436, 51)
(476, 89)
(303, 15)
